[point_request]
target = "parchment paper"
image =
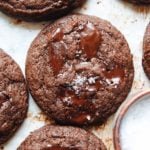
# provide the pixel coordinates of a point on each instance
(16, 37)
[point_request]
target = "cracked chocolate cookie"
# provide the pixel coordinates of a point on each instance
(61, 138)
(140, 1)
(13, 97)
(146, 53)
(34, 10)
(79, 70)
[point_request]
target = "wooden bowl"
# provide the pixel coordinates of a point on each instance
(120, 115)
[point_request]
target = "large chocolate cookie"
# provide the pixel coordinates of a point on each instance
(13, 97)
(140, 1)
(146, 48)
(61, 138)
(38, 9)
(79, 70)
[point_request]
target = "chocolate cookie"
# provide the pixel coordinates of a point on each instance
(140, 1)
(61, 138)
(38, 9)
(79, 70)
(13, 97)
(146, 48)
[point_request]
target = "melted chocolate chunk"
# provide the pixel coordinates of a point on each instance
(81, 117)
(70, 96)
(89, 44)
(3, 98)
(90, 40)
(56, 62)
(57, 51)
(58, 35)
(80, 94)
(80, 91)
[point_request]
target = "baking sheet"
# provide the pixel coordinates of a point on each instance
(16, 37)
